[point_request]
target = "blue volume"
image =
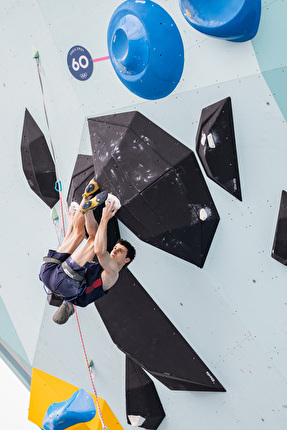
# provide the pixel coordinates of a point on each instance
(145, 48)
(234, 20)
(79, 408)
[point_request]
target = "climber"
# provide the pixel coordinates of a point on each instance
(71, 272)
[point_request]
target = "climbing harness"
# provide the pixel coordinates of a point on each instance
(71, 273)
(66, 268)
(51, 260)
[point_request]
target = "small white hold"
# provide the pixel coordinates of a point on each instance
(74, 207)
(210, 141)
(203, 139)
(112, 198)
(203, 214)
(136, 420)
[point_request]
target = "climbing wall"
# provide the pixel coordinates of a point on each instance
(221, 104)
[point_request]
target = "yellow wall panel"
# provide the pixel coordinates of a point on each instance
(47, 389)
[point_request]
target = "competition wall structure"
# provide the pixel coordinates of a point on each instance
(231, 310)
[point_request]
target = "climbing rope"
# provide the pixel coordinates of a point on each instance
(90, 372)
(58, 187)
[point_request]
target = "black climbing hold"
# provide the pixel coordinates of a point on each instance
(82, 174)
(279, 248)
(142, 400)
(141, 330)
(216, 147)
(165, 200)
(37, 162)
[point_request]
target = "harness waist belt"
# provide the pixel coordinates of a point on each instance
(67, 269)
(71, 273)
(51, 260)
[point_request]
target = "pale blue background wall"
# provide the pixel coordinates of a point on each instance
(233, 311)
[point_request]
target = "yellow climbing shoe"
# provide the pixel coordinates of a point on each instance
(94, 202)
(91, 189)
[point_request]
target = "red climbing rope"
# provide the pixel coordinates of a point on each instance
(86, 358)
(58, 187)
(90, 372)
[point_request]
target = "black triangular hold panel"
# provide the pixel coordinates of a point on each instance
(165, 200)
(141, 397)
(140, 329)
(37, 162)
(82, 174)
(279, 248)
(216, 147)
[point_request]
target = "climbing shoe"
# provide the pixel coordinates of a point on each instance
(64, 312)
(91, 189)
(94, 202)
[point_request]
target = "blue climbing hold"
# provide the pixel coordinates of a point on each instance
(79, 408)
(145, 48)
(234, 20)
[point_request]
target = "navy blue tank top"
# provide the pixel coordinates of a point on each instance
(94, 289)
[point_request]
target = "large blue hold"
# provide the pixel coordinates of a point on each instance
(145, 49)
(234, 20)
(79, 408)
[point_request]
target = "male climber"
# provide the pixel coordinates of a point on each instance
(71, 272)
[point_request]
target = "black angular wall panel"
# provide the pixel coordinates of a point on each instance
(82, 174)
(142, 399)
(142, 331)
(279, 248)
(165, 200)
(216, 147)
(37, 162)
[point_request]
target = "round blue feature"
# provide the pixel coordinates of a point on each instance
(130, 46)
(145, 49)
(234, 20)
(80, 63)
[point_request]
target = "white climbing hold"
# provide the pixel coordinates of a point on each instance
(74, 207)
(203, 214)
(112, 198)
(136, 420)
(203, 139)
(210, 141)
